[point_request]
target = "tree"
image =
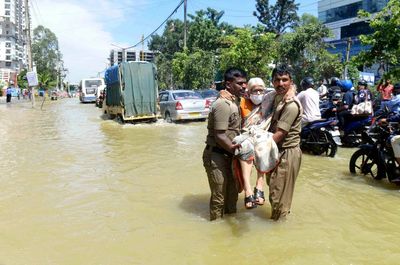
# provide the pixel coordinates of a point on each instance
(21, 79)
(206, 31)
(45, 51)
(385, 40)
(250, 51)
(305, 50)
(171, 41)
(205, 38)
(193, 70)
(279, 17)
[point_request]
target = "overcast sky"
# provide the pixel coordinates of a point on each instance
(86, 28)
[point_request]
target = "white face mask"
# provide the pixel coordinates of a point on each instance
(256, 99)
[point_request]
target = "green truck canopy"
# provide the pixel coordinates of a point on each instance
(136, 89)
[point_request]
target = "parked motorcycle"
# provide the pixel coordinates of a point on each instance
(353, 130)
(376, 157)
(320, 137)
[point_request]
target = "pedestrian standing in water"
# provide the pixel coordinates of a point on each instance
(286, 128)
(9, 91)
(224, 124)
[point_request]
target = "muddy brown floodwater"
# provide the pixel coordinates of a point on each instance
(79, 189)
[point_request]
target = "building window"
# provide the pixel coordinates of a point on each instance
(350, 10)
(7, 6)
(355, 29)
(8, 63)
(8, 57)
(8, 44)
(7, 12)
(8, 51)
(7, 1)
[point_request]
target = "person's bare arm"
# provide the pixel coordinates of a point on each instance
(279, 135)
(222, 140)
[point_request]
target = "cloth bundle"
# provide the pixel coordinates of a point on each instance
(258, 145)
(363, 108)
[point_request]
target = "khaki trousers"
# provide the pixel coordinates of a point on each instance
(282, 181)
(224, 194)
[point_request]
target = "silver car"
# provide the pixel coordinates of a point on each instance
(178, 105)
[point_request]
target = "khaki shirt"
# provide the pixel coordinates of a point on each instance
(287, 116)
(224, 115)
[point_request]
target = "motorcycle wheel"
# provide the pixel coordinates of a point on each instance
(364, 162)
(332, 146)
(327, 145)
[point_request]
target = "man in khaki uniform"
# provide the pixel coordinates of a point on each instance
(286, 127)
(223, 125)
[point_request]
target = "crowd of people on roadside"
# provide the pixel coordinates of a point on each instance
(250, 126)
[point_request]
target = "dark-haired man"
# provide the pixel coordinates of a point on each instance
(286, 128)
(223, 125)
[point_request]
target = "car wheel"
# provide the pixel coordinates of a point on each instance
(167, 117)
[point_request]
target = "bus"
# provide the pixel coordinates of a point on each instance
(90, 89)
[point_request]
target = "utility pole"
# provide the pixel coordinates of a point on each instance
(346, 70)
(185, 23)
(29, 47)
(142, 59)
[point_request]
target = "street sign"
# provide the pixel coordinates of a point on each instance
(32, 79)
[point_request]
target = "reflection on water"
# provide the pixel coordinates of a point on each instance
(78, 189)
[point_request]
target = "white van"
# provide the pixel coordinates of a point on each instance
(90, 89)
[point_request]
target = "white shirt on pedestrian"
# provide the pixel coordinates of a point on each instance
(309, 100)
(323, 90)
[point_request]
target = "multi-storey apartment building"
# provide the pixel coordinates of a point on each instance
(12, 38)
(130, 55)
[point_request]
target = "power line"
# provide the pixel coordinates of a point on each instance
(148, 36)
(38, 10)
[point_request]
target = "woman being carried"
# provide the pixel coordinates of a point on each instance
(256, 144)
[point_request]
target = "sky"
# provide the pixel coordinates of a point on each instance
(88, 29)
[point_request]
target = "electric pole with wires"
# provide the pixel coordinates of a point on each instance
(29, 47)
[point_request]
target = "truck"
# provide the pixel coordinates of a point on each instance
(131, 92)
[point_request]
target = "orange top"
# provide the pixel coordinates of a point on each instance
(246, 107)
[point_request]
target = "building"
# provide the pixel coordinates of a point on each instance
(13, 55)
(130, 55)
(341, 17)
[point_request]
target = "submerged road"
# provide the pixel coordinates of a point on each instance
(80, 189)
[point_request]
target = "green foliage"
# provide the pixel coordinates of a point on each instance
(385, 41)
(193, 70)
(249, 51)
(21, 79)
(206, 31)
(45, 52)
(46, 81)
(205, 37)
(279, 17)
(305, 50)
(171, 41)
(164, 72)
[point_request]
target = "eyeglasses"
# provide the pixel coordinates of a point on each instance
(257, 92)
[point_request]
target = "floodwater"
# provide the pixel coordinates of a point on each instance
(79, 189)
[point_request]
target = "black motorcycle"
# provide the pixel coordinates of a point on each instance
(318, 137)
(376, 157)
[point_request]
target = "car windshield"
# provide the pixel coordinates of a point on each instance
(89, 83)
(209, 93)
(186, 95)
